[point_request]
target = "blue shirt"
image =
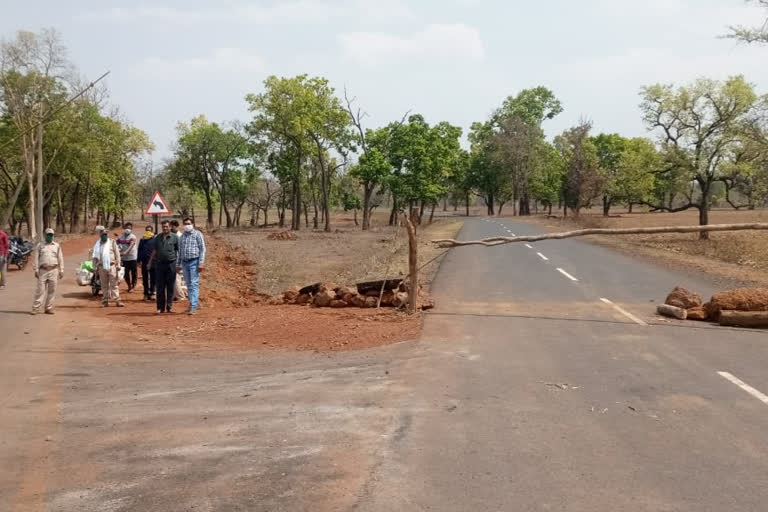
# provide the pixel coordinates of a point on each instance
(192, 246)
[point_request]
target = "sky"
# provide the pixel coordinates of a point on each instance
(450, 60)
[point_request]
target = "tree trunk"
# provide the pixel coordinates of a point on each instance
(306, 215)
(466, 202)
(445, 204)
(606, 206)
(367, 193)
(39, 161)
(8, 214)
(432, 212)
(629, 210)
(550, 209)
(421, 211)
(413, 266)
(73, 212)
(29, 159)
(489, 202)
(209, 208)
(704, 214)
(356, 224)
(393, 213)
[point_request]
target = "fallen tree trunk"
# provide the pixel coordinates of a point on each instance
(744, 318)
(386, 284)
(501, 240)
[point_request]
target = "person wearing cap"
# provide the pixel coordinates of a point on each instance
(48, 264)
(106, 261)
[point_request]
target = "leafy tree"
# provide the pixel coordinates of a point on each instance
(486, 173)
(635, 176)
(699, 125)
(583, 182)
(547, 181)
(610, 148)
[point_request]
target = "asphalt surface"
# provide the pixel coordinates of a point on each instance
(541, 396)
(526, 392)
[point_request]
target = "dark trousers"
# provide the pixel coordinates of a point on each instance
(165, 279)
(131, 273)
(148, 278)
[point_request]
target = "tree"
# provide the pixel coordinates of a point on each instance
(583, 182)
(547, 182)
(635, 173)
(699, 125)
(195, 159)
(610, 148)
(758, 34)
(486, 174)
(30, 69)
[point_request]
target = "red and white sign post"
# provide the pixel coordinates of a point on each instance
(157, 206)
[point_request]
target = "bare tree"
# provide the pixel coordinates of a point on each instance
(750, 35)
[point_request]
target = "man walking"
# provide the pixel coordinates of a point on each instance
(129, 253)
(192, 256)
(146, 247)
(5, 247)
(48, 264)
(164, 258)
(106, 261)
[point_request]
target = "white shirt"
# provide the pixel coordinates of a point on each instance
(102, 252)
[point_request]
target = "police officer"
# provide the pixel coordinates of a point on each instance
(48, 264)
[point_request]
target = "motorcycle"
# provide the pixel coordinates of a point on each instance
(19, 252)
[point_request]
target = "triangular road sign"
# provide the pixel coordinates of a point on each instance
(158, 205)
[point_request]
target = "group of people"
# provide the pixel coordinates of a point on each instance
(160, 255)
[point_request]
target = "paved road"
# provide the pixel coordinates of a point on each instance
(538, 395)
(527, 392)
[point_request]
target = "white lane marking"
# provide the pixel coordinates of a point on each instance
(544, 257)
(746, 387)
(529, 246)
(566, 274)
(624, 312)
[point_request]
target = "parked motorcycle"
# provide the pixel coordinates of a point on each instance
(19, 252)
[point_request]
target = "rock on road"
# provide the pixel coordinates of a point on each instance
(543, 381)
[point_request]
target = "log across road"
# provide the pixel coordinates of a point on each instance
(550, 384)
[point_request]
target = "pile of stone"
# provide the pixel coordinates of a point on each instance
(282, 235)
(362, 295)
(744, 307)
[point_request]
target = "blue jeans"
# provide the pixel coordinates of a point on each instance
(192, 278)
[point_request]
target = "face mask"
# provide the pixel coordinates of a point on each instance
(127, 231)
(104, 238)
(49, 238)
(188, 228)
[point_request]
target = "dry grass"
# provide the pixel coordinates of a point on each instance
(344, 256)
(742, 256)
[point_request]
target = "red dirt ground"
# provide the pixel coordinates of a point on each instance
(232, 315)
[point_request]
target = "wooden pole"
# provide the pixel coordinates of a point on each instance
(744, 318)
(413, 259)
(501, 240)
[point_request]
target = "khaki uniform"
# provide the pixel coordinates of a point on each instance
(49, 267)
(108, 276)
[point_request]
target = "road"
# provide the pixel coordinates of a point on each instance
(527, 391)
(541, 396)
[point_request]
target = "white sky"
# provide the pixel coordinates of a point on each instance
(452, 60)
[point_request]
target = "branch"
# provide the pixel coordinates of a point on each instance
(662, 208)
(501, 240)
